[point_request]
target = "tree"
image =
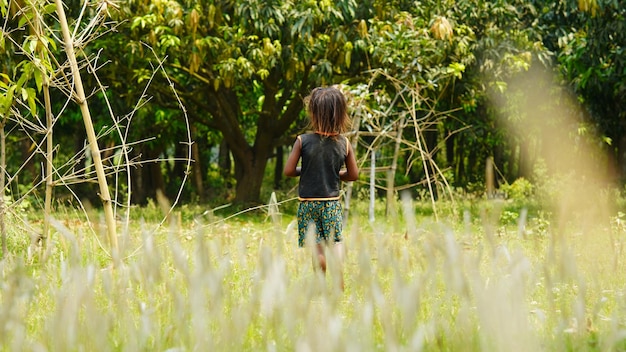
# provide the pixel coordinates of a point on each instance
(455, 53)
(38, 65)
(588, 39)
(38, 50)
(243, 67)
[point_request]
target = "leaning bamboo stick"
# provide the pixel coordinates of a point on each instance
(91, 134)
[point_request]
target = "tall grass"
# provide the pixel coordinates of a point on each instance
(467, 283)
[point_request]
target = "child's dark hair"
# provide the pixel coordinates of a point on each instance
(327, 110)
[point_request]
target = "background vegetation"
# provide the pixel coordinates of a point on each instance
(241, 69)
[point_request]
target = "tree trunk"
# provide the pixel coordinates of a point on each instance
(83, 190)
(30, 166)
(517, 161)
(525, 162)
(618, 168)
(280, 165)
(450, 148)
(431, 139)
(157, 182)
(250, 162)
(152, 175)
(175, 176)
(489, 178)
(138, 195)
(249, 172)
(500, 168)
(274, 118)
(197, 166)
(460, 178)
(471, 167)
(223, 160)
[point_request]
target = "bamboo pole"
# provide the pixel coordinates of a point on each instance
(3, 164)
(425, 161)
(391, 172)
(49, 141)
(489, 178)
(91, 134)
(49, 157)
(354, 140)
(372, 217)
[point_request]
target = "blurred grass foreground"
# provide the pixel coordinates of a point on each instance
(496, 277)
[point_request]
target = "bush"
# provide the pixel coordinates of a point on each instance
(520, 190)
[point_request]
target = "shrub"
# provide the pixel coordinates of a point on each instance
(520, 190)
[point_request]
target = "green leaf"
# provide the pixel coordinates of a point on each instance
(501, 86)
(50, 8)
(32, 45)
(141, 75)
(53, 44)
(23, 79)
(6, 100)
(31, 98)
(4, 77)
(168, 41)
(25, 19)
(263, 73)
(211, 15)
(39, 80)
(457, 69)
(136, 22)
(11, 92)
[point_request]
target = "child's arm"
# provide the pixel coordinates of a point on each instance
(351, 173)
(291, 168)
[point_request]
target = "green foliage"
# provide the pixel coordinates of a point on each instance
(218, 182)
(241, 69)
(449, 57)
(587, 38)
(520, 190)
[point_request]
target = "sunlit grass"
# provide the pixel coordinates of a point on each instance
(472, 281)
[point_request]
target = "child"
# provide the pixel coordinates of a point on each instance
(323, 154)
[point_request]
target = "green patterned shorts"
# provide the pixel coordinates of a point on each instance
(326, 215)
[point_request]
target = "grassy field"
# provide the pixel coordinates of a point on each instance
(484, 277)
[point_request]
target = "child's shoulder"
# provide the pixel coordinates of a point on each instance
(308, 135)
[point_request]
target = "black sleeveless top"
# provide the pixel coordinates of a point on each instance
(322, 158)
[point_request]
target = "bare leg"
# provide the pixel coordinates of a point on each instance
(321, 257)
(338, 254)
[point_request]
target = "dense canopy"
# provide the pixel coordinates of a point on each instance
(223, 82)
